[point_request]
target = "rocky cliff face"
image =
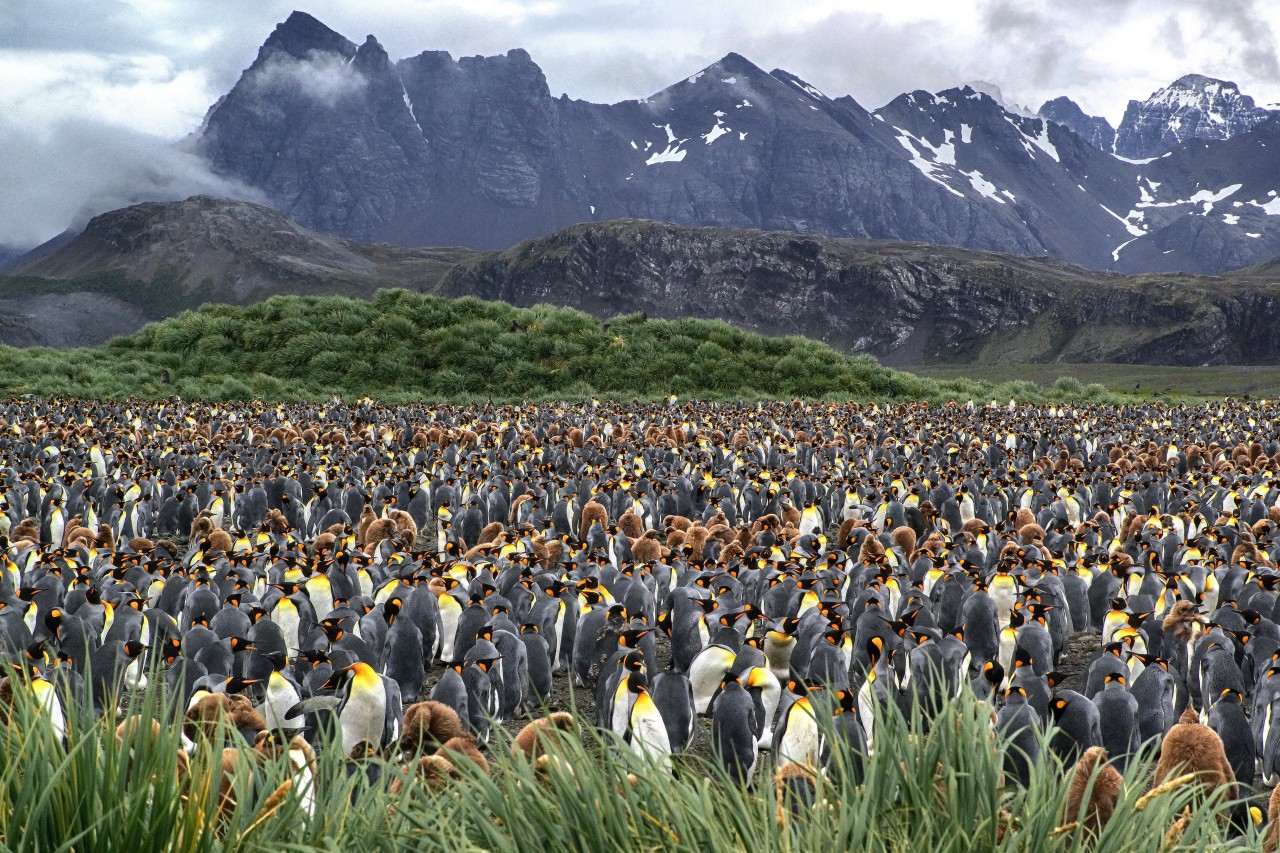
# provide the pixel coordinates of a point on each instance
(322, 126)
(904, 303)
(433, 150)
(1095, 130)
(1193, 107)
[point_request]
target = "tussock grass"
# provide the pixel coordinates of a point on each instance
(403, 347)
(936, 790)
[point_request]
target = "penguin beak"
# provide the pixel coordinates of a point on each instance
(337, 679)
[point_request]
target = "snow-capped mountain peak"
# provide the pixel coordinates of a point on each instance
(1192, 107)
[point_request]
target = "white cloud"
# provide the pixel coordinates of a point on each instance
(322, 77)
(59, 176)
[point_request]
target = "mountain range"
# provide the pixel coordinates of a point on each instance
(905, 303)
(431, 150)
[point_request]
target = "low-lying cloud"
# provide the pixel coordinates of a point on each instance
(58, 178)
(322, 77)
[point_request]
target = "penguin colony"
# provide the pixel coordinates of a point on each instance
(396, 580)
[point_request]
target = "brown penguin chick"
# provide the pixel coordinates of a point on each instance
(220, 540)
(535, 738)
(1023, 517)
(82, 536)
(631, 524)
(696, 539)
(1183, 622)
(1191, 747)
(243, 715)
(1031, 534)
(790, 515)
(1271, 840)
(274, 523)
(1245, 551)
(463, 748)
(732, 551)
(134, 729)
(844, 536)
(211, 711)
(231, 766)
(140, 545)
(721, 532)
(591, 513)
(905, 539)
(427, 725)
(205, 715)
(269, 745)
(935, 544)
(872, 550)
(201, 525)
(1132, 524)
(75, 522)
(433, 771)
(492, 532)
(678, 522)
(675, 540)
(406, 527)
(483, 549)
(1103, 797)
(324, 543)
(367, 517)
(648, 548)
(26, 529)
(554, 551)
(380, 529)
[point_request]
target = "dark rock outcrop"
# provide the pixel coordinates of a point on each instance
(1095, 130)
(905, 303)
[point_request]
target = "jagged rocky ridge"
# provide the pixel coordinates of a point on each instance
(906, 303)
(1193, 107)
(475, 151)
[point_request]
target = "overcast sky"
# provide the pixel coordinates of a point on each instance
(95, 91)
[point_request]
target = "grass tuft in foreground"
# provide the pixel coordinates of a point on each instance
(936, 791)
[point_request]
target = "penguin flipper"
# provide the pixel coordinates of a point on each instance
(314, 704)
(393, 726)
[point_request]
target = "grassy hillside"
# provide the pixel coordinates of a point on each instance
(403, 346)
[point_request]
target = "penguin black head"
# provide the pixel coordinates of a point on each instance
(36, 653)
(631, 638)
(238, 684)
(172, 649)
(993, 672)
